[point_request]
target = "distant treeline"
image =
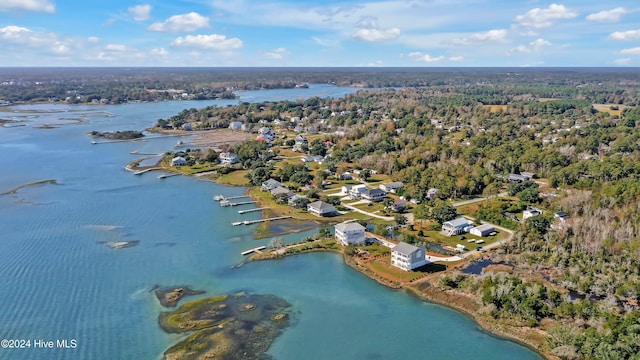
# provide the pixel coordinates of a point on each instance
(487, 85)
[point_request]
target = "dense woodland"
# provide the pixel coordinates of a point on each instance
(453, 137)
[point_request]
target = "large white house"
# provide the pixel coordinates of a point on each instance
(228, 158)
(391, 187)
(407, 257)
(178, 161)
(350, 233)
(356, 191)
(457, 226)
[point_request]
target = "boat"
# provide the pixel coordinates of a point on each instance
(179, 144)
(94, 142)
(218, 198)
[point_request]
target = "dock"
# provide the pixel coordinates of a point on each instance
(225, 203)
(146, 170)
(222, 197)
(249, 222)
(251, 210)
(258, 250)
(163, 176)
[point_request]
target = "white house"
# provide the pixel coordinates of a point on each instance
(178, 161)
(235, 125)
(345, 176)
(457, 226)
(391, 187)
(530, 212)
(320, 208)
(482, 230)
(407, 257)
(350, 233)
(228, 158)
(356, 191)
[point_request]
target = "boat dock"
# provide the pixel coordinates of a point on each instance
(249, 222)
(251, 210)
(258, 250)
(145, 170)
(222, 197)
(163, 176)
(225, 203)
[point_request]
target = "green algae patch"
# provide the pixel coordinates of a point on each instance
(240, 326)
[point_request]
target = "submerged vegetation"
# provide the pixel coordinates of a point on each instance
(240, 326)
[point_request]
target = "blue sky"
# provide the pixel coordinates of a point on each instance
(319, 33)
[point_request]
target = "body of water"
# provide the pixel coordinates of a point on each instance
(59, 279)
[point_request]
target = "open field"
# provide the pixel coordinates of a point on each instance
(235, 178)
(496, 108)
(616, 111)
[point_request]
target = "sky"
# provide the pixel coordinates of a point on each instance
(402, 33)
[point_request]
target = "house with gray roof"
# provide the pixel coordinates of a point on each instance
(270, 185)
(350, 233)
(320, 208)
(373, 194)
(407, 257)
(457, 226)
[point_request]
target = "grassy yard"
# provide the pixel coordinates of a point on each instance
(384, 268)
(438, 238)
(236, 178)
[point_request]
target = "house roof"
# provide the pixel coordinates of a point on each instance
(561, 214)
(321, 205)
(484, 227)
(394, 185)
(178, 158)
(375, 192)
(405, 249)
(281, 190)
(458, 222)
(272, 182)
(351, 226)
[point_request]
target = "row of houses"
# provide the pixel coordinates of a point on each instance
(226, 158)
(318, 208)
(462, 226)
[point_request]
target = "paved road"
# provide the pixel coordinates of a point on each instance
(467, 202)
(386, 218)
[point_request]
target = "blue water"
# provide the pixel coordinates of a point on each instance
(58, 280)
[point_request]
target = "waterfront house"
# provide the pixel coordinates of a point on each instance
(292, 200)
(530, 212)
(270, 185)
(178, 161)
(281, 190)
(350, 233)
(235, 125)
(407, 257)
(457, 226)
(320, 208)
(373, 194)
(482, 230)
(228, 158)
(391, 187)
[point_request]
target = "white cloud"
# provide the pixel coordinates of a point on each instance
(115, 47)
(540, 18)
(159, 51)
(30, 5)
(497, 35)
(374, 35)
(181, 23)
(456, 58)
(612, 15)
(93, 39)
(12, 32)
(622, 61)
(418, 56)
(631, 51)
(625, 35)
(529, 33)
(326, 42)
(277, 54)
(140, 12)
(213, 42)
(532, 47)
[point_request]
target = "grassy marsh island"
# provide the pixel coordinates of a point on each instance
(169, 297)
(227, 327)
(35, 183)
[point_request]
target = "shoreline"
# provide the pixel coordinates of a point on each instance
(433, 294)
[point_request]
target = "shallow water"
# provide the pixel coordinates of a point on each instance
(59, 281)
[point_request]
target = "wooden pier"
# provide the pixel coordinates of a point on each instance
(258, 250)
(146, 170)
(222, 197)
(251, 210)
(164, 176)
(225, 203)
(249, 222)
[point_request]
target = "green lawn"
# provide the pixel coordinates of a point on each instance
(439, 238)
(236, 178)
(391, 271)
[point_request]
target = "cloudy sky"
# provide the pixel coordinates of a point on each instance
(319, 33)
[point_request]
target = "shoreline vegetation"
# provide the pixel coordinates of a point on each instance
(169, 297)
(117, 135)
